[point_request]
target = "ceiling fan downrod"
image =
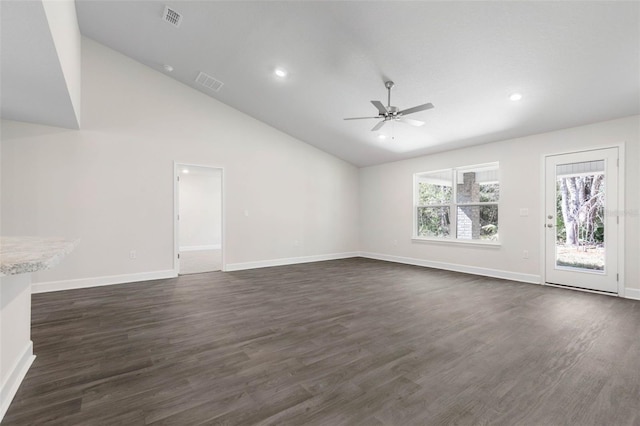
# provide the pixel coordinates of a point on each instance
(389, 85)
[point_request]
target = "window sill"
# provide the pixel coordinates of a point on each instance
(480, 243)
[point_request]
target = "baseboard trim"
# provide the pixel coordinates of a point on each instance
(474, 270)
(19, 371)
(288, 261)
(49, 286)
(205, 247)
(632, 293)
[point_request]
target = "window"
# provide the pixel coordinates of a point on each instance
(458, 204)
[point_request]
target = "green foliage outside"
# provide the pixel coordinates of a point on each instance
(489, 222)
(434, 194)
(489, 214)
(489, 192)
(435, 221)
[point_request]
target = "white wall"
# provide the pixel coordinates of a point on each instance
(37, 74)
(386, 213)
(111, 183)
(65, 31)
(200, 207)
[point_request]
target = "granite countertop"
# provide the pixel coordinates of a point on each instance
(21, 255)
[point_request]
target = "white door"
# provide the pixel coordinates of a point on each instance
(581, 222)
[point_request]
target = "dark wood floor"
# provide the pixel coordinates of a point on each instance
(356, 342)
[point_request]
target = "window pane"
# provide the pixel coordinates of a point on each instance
(489, 192)
(433, 221)
(580, 215)
(477, 223)
(478, 185)
(433, 194)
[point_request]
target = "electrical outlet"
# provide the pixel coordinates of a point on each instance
(133, 255)
(395, 242)
(296, 243)
(525, 254)
(246, 213)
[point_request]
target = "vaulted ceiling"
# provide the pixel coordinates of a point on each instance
(573, 62)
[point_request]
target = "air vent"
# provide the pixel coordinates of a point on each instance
(209, 82)
(171, 16)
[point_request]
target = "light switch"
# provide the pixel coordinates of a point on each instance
(524, 212)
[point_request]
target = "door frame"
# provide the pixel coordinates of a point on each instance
(176, 211)
(620, 209)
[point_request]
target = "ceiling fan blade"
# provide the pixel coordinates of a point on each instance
(411, 121)
(360, 118)
(380, 107)
(416, 109)
(377, 126)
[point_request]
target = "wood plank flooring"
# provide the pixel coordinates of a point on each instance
(347, 342)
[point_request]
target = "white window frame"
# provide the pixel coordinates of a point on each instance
(453, 206)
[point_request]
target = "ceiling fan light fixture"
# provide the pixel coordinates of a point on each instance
(515, 96)
(280, 72)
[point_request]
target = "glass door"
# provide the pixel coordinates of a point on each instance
(581, 229)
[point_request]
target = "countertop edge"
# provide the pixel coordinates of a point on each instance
(30, 266)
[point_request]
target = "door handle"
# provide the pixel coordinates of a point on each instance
(549, 225)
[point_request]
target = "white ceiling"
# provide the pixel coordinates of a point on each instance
(574, 62)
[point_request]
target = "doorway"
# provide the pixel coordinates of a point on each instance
(199, 219)
(581, 221)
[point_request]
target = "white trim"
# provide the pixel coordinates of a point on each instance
(584, 290)
(14, 379)
(632, 293)
(481, 243)
(621, 221)
(205, 247)
(494, 273)
(289, 261)
(49, 286)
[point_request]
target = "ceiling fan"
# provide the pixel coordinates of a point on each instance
(392, 113)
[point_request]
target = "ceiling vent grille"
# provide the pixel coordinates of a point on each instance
(172, 17)
(209, 82)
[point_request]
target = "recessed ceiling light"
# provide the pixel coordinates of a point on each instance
(185, 171)
(515, 96)
(382, 136)
(281, 72)
(167, 67)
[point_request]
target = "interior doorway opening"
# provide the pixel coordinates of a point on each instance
(199, 219)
